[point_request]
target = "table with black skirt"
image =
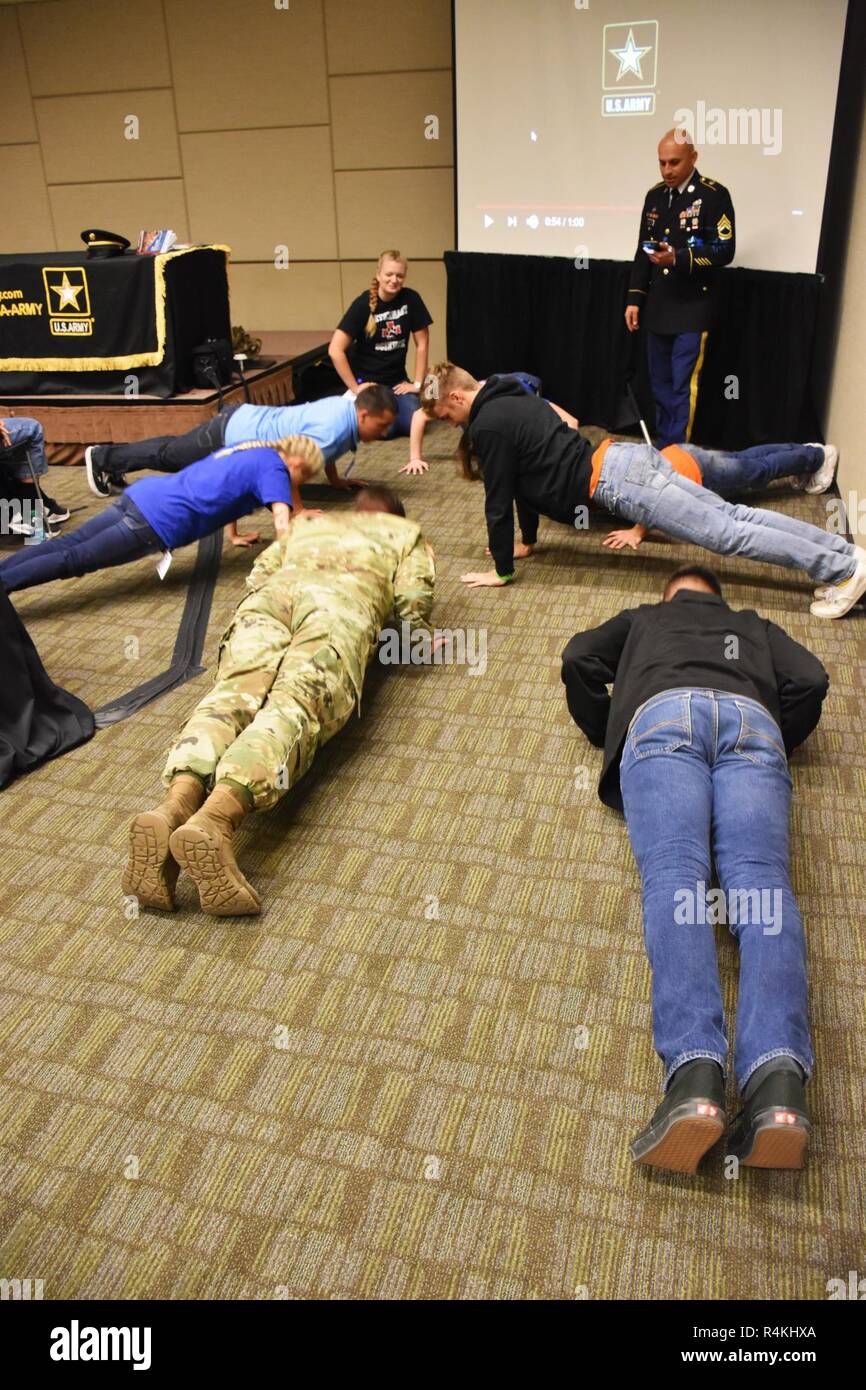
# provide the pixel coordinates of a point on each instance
(125, 325)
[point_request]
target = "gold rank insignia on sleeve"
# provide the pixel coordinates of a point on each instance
(724, 228)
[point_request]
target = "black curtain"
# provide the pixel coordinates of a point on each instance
(835, 246)
(543, 315)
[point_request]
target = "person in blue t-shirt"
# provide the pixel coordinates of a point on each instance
(162, 514)
(336, 424)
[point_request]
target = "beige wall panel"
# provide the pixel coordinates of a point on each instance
(243, 64)
(119, 207)
(95, 46)
(412, 209)
(83, 138)
(370, 133)
(259, 189)
(306, 295)
(16, 112)
(380, 36)
(427, 277)
(26, 221)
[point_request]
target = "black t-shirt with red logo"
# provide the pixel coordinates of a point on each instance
(383, 357)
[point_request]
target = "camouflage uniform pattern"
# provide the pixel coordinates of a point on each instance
(292, 662)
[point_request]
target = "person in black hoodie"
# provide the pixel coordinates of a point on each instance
(529, 457)
(707, 703)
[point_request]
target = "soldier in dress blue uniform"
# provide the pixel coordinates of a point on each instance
(686, 233)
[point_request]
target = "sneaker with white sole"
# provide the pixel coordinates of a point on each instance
(98, 481)
(54, 511)
(32, 531)
(822, 478)
(842, 597)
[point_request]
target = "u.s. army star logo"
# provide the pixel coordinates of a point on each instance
(629, 54)
(66, 291)
(68, 299)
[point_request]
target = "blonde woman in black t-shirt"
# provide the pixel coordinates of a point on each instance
(371, 341)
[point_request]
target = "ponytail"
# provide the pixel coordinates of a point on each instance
(468, 464)
(290, 446)
(370, 326)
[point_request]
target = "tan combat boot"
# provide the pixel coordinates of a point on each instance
(203, 846)
(151, 872)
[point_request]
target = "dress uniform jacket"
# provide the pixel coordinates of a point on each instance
(699, 225)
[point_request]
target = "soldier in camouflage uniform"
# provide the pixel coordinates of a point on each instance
(291, 668)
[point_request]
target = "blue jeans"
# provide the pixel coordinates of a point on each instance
(115, 536)
(729, 473)
(638, 483)
(406, 406)
(704, 776)
(168, 453)
(28, 441)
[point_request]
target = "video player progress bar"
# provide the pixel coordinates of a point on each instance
(560, 207)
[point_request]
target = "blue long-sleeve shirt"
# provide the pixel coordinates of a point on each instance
(331, 422)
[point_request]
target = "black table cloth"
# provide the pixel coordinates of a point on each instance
(127, 325)
(38, 720)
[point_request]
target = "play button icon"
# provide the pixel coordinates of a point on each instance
(488, 221)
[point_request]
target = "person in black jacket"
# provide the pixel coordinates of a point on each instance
(707, 703)
(530, 458)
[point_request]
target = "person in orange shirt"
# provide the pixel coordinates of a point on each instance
(811, 467)
(529, 459)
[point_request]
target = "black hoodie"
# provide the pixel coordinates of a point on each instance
(686, 643)
(527, 456)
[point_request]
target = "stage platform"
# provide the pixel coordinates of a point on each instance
(72, 422)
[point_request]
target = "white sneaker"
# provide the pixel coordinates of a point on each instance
(31, 532)
(842, 597)
(822, 478)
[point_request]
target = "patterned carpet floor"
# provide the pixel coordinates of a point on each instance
(416, 1074)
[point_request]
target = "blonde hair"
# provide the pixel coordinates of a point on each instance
(298, 446)
(441, 379)
(370, 328)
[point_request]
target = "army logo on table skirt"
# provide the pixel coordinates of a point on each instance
(68, 299)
